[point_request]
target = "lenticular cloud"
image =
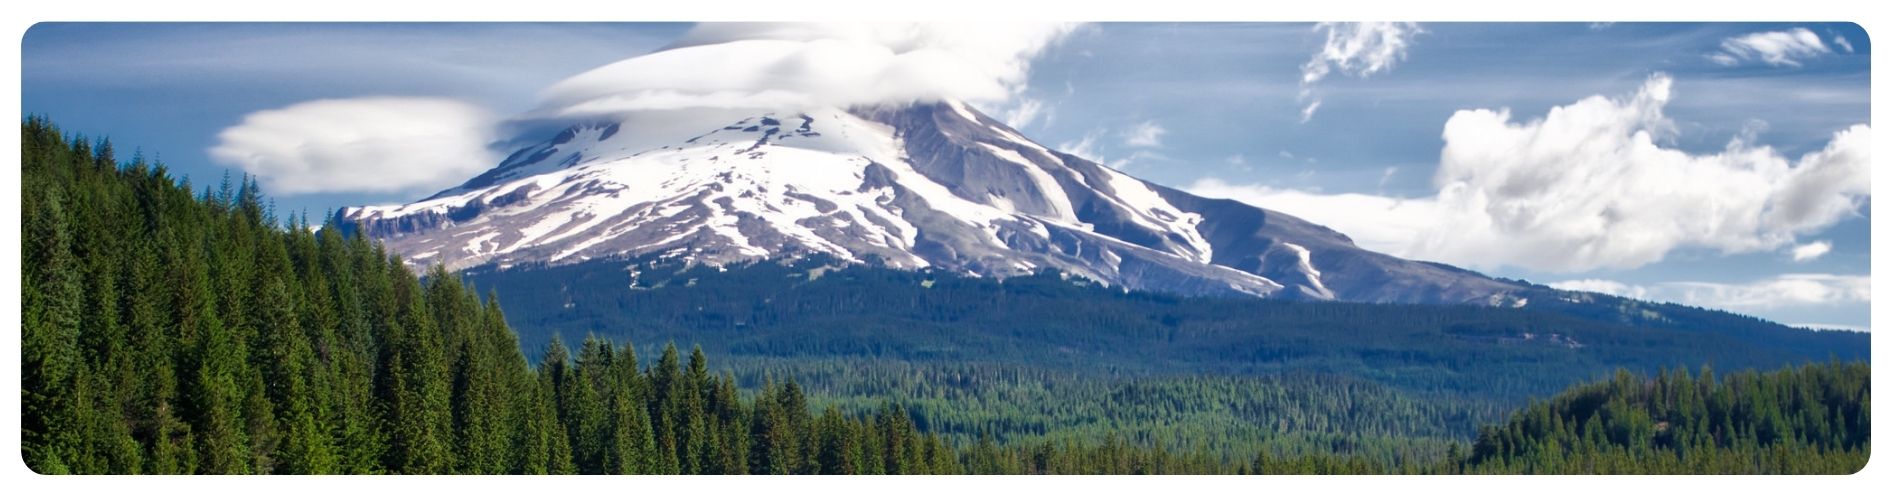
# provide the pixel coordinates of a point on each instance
(368, 144)
(379, 144)
(789, 66)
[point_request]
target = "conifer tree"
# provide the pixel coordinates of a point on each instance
(49, 343)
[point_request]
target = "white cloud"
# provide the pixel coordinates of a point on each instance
(1360, 49)
(1588, 187)
(1810, 251)
(1145, 134)
(1088, 147)
(370, 144)
(1139, 141)
(778, 66)
(1842, 43)
(1776, 48)
(1375, 222)
(1085, 147)
(1602, 286)
(1024, 112)
(401, 144)
(1307, 112)
(1784, 291)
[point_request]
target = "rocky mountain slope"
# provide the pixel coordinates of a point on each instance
(934, 185)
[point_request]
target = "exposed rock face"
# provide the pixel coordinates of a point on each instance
(925, 186)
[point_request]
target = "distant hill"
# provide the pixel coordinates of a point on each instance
(816, 309)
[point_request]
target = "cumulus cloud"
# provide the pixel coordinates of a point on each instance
(1810, 251)
(1374, 222)
(1145, 134)
(1784, 291)
(1588, 187)
(777, 66)
(1360, 49)
(370, 144)
(1776, 48)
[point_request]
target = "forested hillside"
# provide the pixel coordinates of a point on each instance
(812, 310)
(167, 330)
(1810, 419)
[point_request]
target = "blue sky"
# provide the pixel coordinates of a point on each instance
(1214, 108)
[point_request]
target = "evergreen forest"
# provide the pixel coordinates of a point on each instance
(171, 327)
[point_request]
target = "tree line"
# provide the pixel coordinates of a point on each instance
(1809, 419)
(167, 330)
(815, 309)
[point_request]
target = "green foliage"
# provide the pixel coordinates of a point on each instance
(172, 333)
(1809, 419)
(166, 332)
(774, 310)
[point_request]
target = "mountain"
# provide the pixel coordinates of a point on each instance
(933, 185)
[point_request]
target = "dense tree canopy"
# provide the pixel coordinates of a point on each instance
(170, 331)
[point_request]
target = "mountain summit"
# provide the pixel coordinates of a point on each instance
(934, 185)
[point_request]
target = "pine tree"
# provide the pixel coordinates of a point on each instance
(49, 343)
(421, 417)
(306, 447)
(666, 410)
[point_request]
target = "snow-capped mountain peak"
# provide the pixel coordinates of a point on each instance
(934, 185)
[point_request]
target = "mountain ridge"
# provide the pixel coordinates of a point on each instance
(930, 185)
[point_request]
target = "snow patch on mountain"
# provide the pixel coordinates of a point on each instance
(923, 186)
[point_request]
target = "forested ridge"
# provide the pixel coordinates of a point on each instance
(171, 332)
(814, 309)
(168, 330)
(1809, 419)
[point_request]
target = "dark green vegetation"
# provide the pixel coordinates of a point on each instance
(166, 331)
(170, 333)
(1812, 419)
(809, 310)
(1048, 356)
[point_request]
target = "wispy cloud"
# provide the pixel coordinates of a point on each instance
(1842, 43)
(1085, 147)
(1123, 147)
(1239, 162)
(1775, 48)
(1360, 49)
(1783, 291)
(1024, 112)
(1145, 134)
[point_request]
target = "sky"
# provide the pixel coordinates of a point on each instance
(1721, 165)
